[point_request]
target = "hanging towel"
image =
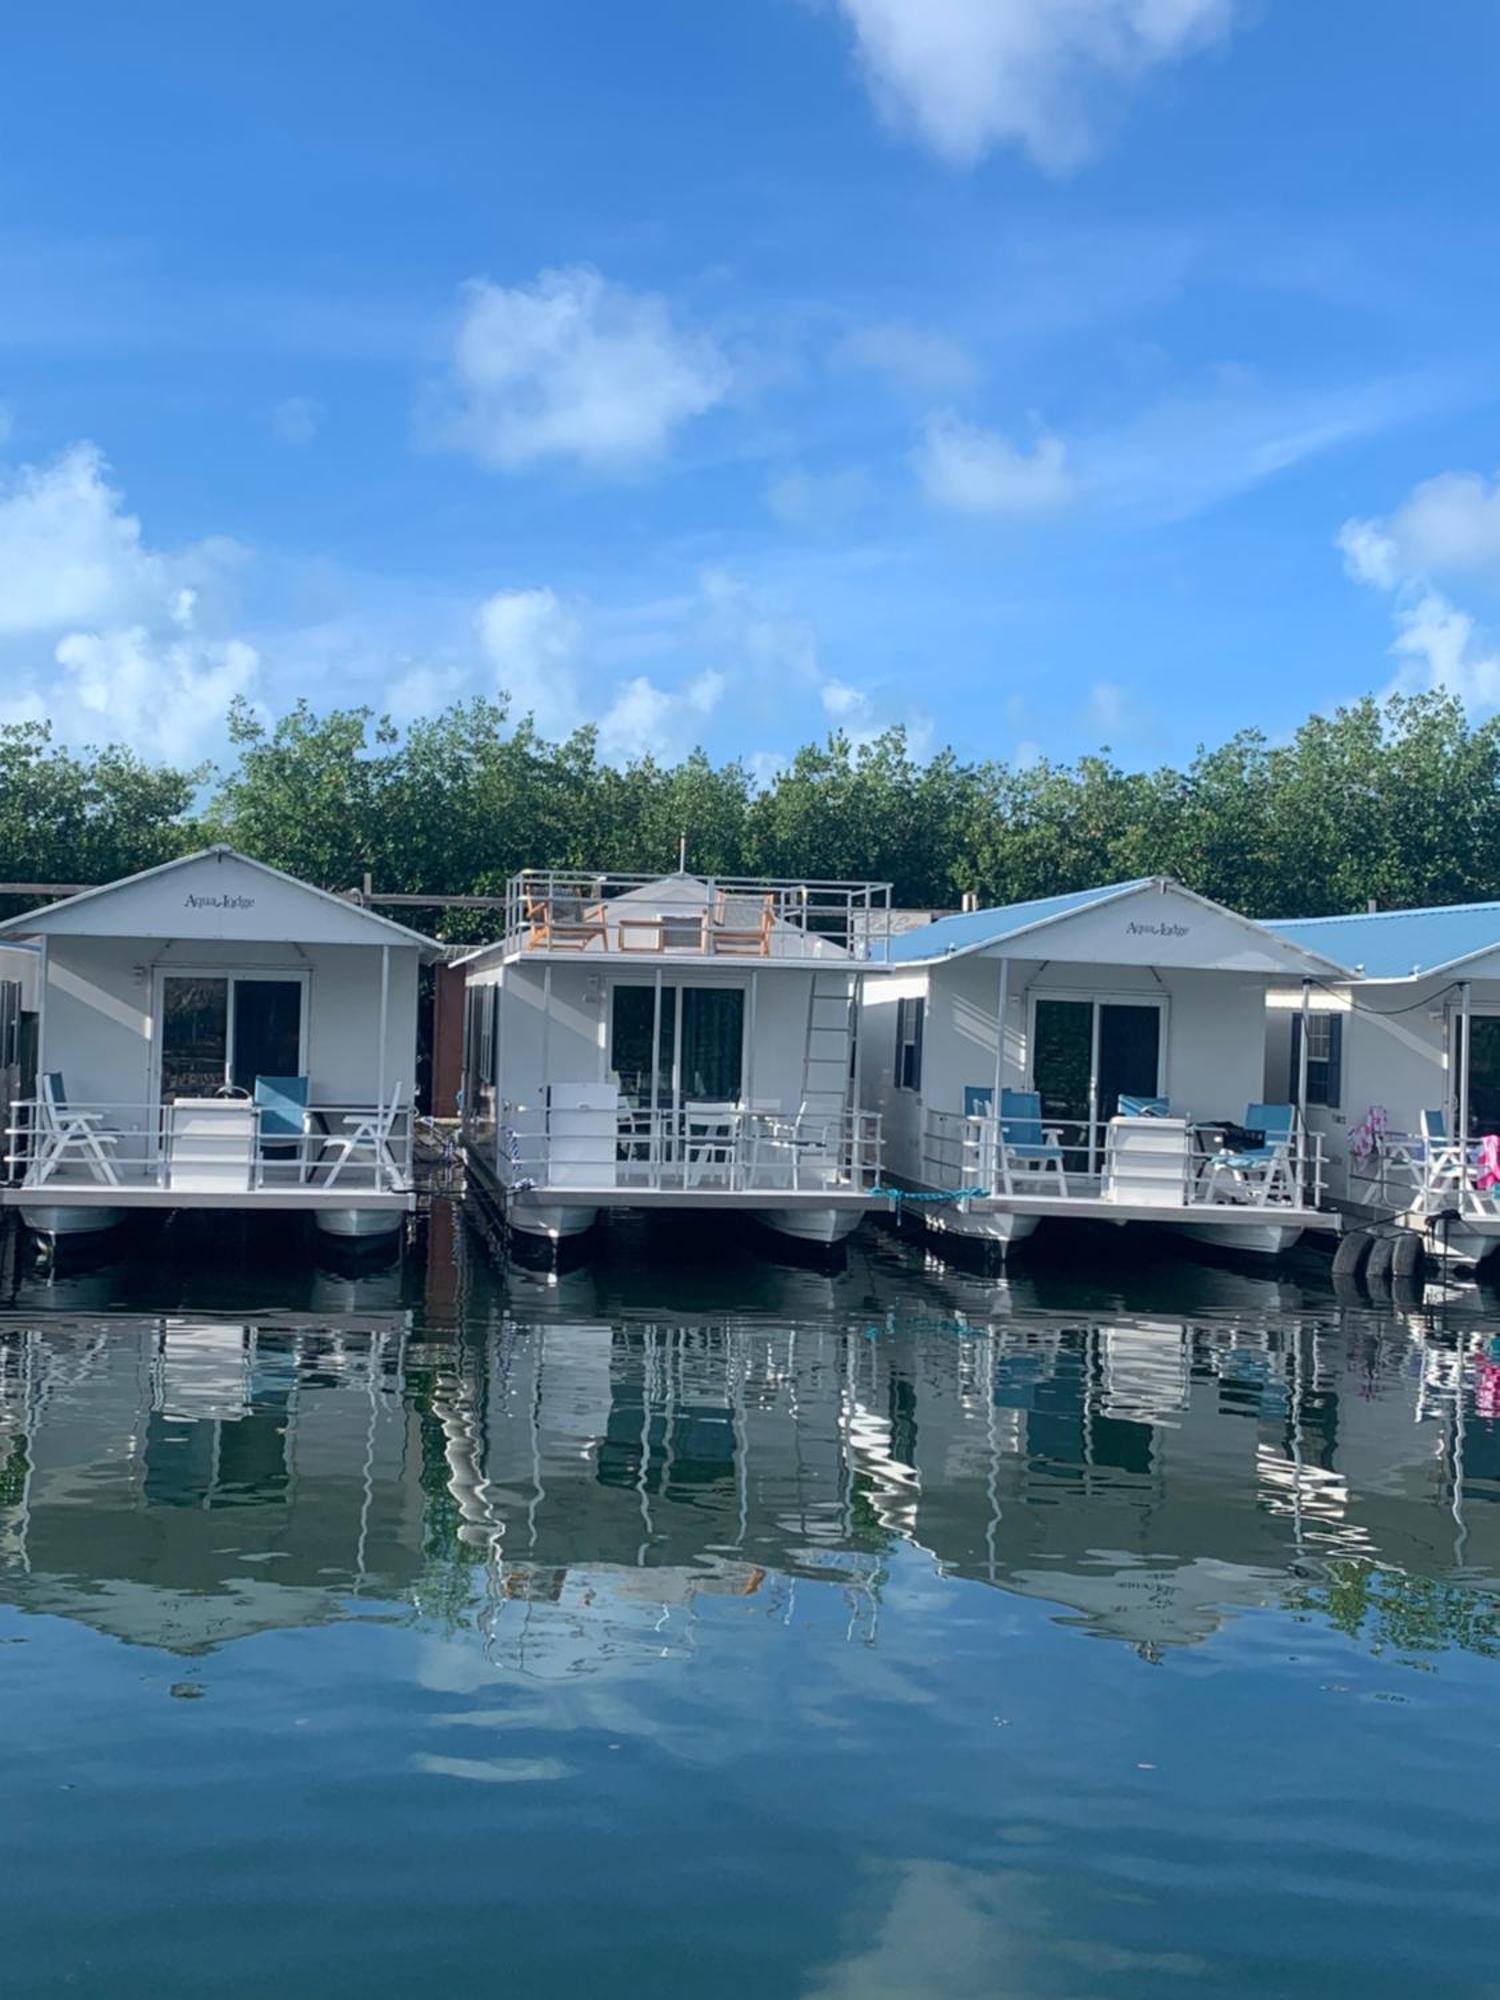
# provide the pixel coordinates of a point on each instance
(1366, 1137)
(1489, 1163)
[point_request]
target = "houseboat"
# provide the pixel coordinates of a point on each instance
(213, 1034)
(1095, 1055)
(1403, 1063)
(681, 1043)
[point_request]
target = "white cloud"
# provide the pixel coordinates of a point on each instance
(533, 642)
(967, 75)
(575, 367)
(296, 420)
(1449, 523)
(843, 702)
(68, 550)
(974, 471)
(1437, 644)
(913, 357)
(140, 658)
(162, 696)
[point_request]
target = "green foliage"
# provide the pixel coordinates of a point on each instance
(85, 817)
(1389, 1610)
(1400, 802)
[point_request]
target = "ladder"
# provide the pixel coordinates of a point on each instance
(826, 1067)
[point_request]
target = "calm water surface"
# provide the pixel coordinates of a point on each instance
(687, 1624)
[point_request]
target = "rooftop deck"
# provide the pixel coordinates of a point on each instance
(552, 912)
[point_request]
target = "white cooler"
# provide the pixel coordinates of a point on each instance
(584, 1124)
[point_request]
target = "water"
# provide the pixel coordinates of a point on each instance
(688, 1624)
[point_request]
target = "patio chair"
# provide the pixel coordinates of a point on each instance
(1027, 1143)
(708, 1142)
(732, 936)
(282, 1103)
(565, 923)
(1144, 1107)
(1260, 1173)
(370, 1132)
(61, 1130)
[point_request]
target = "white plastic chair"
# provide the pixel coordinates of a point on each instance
(370, 1132)
(61, 1130)
(708, 1134)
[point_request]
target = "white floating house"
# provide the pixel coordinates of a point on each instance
(1127, 1084)
(214, 1034)
(1403, 1065)
(679, 1043)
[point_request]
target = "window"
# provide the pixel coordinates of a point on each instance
(1325, 1053)
(909, 1043)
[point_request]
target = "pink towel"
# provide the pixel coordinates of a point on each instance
(1488, 1163)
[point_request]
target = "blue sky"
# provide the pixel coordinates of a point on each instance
(1042, 374)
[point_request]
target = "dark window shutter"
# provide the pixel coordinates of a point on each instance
(1293, 1071)
(1334, 1095)
(921, 1014)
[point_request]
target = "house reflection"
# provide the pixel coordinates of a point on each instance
(183, 1483)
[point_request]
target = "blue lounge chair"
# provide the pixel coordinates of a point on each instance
(1144, 1107)
(1026, 1143)
(1260, 1173)
(282, 1103)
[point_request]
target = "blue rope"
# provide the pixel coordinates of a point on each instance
(899, 1196)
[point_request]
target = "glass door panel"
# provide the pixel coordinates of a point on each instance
(713, 1044)
(631, 1054)
(1129, 1055)
(1484, 1073)
(267, 1030)
(1062, 1062)
(194, 1036)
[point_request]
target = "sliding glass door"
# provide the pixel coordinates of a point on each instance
(1484, 1072)
(1086, 1054)
(222, 1030)
(678, 1045)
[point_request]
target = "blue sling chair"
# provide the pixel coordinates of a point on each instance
(1026, 1142)
(1260, 1173)
(282, 1103)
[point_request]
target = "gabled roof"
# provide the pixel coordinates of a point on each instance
(982, 930)
(975, 929)
(150, 905)
(1399, 944)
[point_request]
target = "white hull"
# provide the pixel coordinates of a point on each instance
(551, 1222)
(358, 1225)
(58, 1219)
(821, 1226)
(1460, 1244)
(976, 1225)
(1257, 1239)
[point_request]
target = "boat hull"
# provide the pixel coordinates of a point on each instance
(58, 1219)
(1256, 1239)
(358, 1225)
(821, 1226)
(551, 1222)
(999, 1226)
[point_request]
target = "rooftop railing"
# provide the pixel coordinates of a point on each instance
(553, 910)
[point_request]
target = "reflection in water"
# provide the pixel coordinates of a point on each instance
(181, 1480)
(811, 1563)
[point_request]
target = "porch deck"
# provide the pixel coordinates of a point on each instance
(224, 1155)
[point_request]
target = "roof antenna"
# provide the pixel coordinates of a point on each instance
(682, 854)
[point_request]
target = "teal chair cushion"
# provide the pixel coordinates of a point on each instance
(283, 1105)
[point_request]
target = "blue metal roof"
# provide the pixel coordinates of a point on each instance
(1397, 944)
(976, 928)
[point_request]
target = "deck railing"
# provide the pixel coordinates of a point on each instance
(700, 1148)
(1078, 1159)
(148, 1146)
(715, 916)
(1404, 1170)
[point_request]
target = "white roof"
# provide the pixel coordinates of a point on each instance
(216, 894)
